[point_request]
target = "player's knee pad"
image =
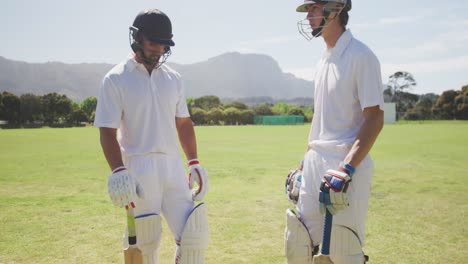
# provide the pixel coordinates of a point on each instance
(148, 232)
(345, 246)
(298, 245)
(194, 239)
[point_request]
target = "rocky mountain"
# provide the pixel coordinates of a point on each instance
(230, 75)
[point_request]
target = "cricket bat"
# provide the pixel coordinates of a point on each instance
(132, 254)
(324, 256)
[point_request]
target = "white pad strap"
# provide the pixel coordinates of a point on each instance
(297, 241)
(345, 246)
(194, 239)
(148, 231)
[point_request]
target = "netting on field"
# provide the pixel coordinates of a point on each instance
(279, 120)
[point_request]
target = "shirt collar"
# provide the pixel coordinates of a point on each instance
(131, 63)
(340, 46)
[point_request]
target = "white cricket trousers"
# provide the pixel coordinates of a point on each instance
(165, 186)
(324, 156)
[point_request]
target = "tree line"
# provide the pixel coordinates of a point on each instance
(208, 110)
(52, 109)
(450, 105)
(57, 110)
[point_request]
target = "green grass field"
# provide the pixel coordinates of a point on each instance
(55, 208)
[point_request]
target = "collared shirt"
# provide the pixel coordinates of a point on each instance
(347, 80)
(142, 107)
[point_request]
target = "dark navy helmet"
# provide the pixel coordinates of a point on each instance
(153, 25)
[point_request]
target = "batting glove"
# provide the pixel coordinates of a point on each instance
(333, 191)
(198, 174)
(293, 184)
(123, 188)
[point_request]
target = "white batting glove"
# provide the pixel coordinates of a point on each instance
(123, 188)
(198, 175)
(293, 185)
(333, 191)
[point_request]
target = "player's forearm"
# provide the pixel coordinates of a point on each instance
(368, 134)
(187, 137)
(111, 147)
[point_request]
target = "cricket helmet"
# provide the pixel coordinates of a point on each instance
(155, 26)
(346, 3)
(341, 7)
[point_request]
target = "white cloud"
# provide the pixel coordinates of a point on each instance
(430, 66)
(444, 44)
(395, 20)
(436, 68)
(398, 20)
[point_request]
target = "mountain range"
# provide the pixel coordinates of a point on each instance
(230, 75)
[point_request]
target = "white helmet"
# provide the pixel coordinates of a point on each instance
(337, 6)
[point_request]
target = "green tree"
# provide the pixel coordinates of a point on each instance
(445, 107)
(77, 116)
(308, 114)
(237, 105)
(232, 116)
(461, 102)
(398, 86)
(30, 108)
(207, 102)
(198, 116)
(1, 107)
(89, 107)
(190, 102)
(215, 116)
(247, 116)
(280, 108)
(56, 107)
(400, 81)
(295, 110)
(263, 109)
(11, 108)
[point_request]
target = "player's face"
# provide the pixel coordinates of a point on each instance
(153, 50)
(315, 15)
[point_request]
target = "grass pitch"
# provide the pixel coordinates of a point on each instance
(55, 208)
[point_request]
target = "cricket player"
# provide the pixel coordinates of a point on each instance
(142, 116)
(348, 117)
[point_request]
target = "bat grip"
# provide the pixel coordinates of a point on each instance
(131, 227)
(327, 228)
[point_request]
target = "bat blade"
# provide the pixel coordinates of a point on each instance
(322, 259)
(132, 254)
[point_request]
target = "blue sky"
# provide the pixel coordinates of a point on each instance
(426, 38)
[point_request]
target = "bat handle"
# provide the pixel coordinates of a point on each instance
(327, 228)
(132, 239)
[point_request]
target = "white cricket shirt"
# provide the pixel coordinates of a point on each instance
(143, 107)
(347, 80)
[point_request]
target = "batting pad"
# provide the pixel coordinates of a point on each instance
(194, 239)
(148, 231)
(345, 246)
(298, 244)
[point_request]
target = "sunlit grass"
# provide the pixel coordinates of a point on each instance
(55, 208)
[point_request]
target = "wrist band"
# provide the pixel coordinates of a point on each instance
(121, 168)
(349, 168)
(193, 162)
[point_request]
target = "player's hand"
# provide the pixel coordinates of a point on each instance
(198, 174)
(293, 184)
(333, 191)
(123, 188)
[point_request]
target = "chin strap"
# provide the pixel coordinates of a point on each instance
(318, 31)
(153, 63)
